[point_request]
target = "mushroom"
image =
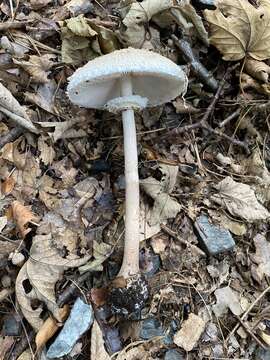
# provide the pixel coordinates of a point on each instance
(124, 81)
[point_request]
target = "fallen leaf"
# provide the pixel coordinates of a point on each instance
(80, 27)
(240, 200)
(26, 355)
(43, 96)
(239, 29)
(257, 69)
(77, 36)
(8, 185)
(261, 258)
(37, 67)
(227, 299)
(22, 215)
(39, 4)
(50, 327)
(3, 222)
(5, 344)
(165, 207)
(45, 266)
(47, 152)
(97, 344)
(133, 33)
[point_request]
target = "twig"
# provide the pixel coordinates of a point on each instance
(229, 118)
(198, 68)
(248, 311)
(170, 232)
(21, 346)
(249, 331)
(11, 136)
(19, 120)
(203, 123)
(9, 25)
(68, 293)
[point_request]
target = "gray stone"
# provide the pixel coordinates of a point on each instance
(12, 326)
(151, 328)
(173, 354)
(262, 354)
(79, 321)
(213, 238)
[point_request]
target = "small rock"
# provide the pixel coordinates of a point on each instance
(18, 259)
(78, 322)
(190, 332)
(262, 354)
(213, 238)
(6, 281)
(12, 326)
(173, 354)
(151, 328)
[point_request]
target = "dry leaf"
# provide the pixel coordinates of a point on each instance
(77, 36)
(8, 185)
(44, 96)
(257, 69)
(239, 29)
(37, 67)
(39, 4)
(227, 298)
(47, 152)
(50, 327)
(22, 215)
(133, 33)
(240, 200)
(98, 351)
(5, 344)
(9, 106)
(165, 207)
(261, 258)
(3, 222)
(45, 266)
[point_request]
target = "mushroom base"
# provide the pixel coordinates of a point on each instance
(128, 296)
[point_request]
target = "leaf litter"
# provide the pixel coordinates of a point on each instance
(62, 188)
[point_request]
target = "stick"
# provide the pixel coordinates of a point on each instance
(19, 120)
(198, 68)
(173, 234)
(11, 136)
(229, 118)
(248, 311)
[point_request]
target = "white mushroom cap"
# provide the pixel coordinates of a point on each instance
(153, 76)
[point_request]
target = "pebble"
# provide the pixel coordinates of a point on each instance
(173, 355)
(190, 332)
(12, 326)
(262, 354)
(151, 328)
(213, 238)
(79, 321)
(18, 259)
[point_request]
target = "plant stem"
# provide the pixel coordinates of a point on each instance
(130, 264)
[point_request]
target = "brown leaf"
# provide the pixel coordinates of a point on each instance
(5, 344)
(50, 327)
(239, 29)
(22, 215)
(97, 344)
(8, 185)
(99, 296)
(39, 4)
(257, 69)
(37, 67)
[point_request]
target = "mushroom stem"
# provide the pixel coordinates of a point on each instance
(130, 264)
